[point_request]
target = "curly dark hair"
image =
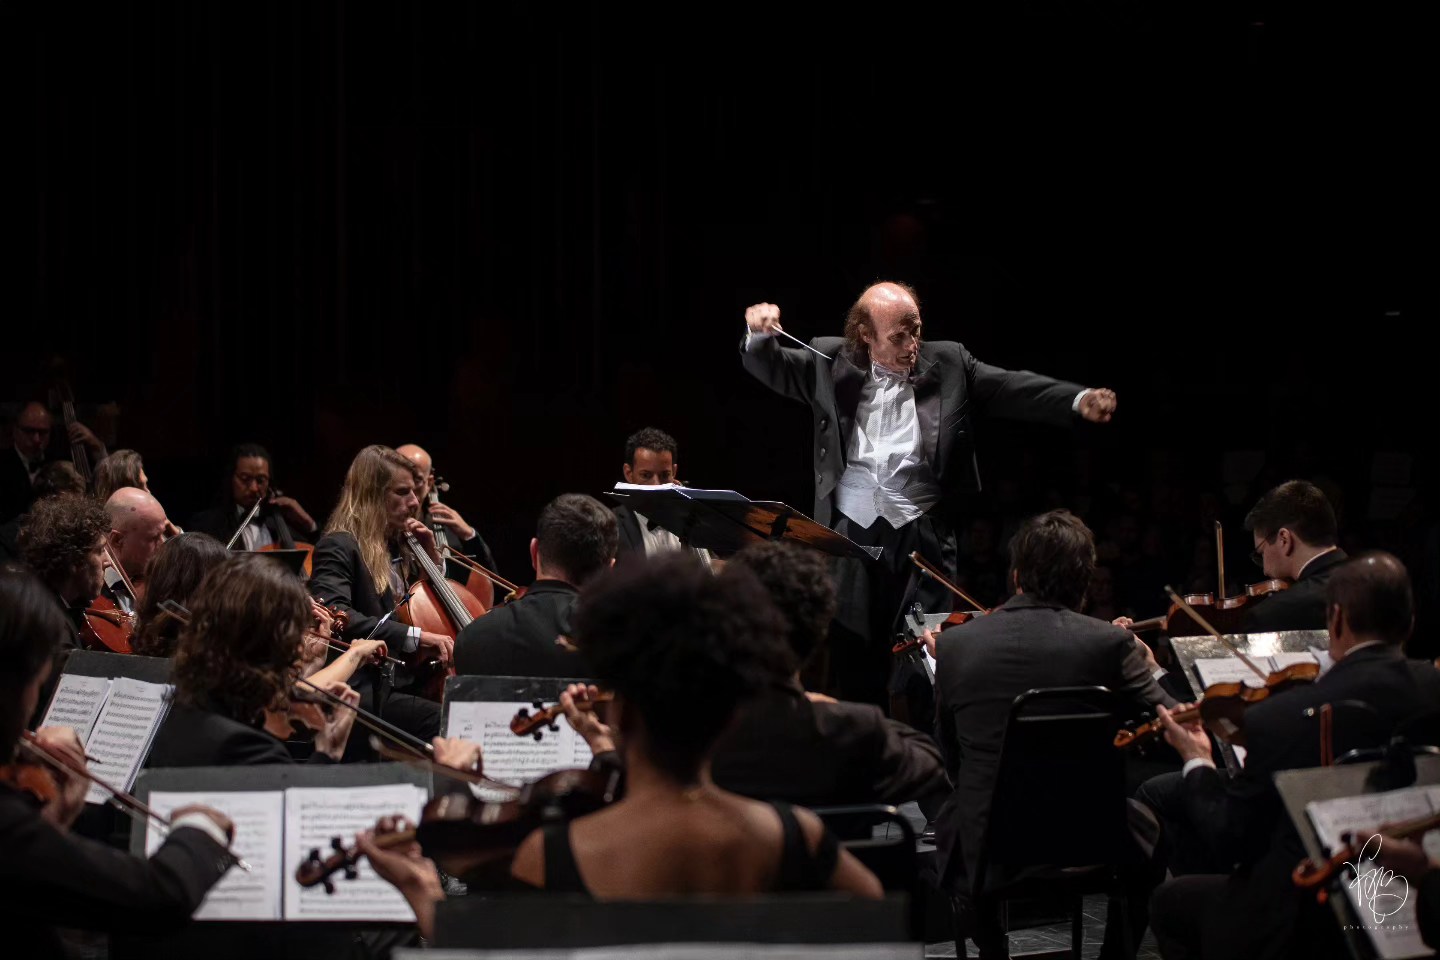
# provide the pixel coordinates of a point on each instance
(1053, 556)
(651, 439)
(59, 534)
(174, 574)
(858, 320)
(121, 469)
(1299, 506)
(238, 654)
(578, 535)
(58, 477)
(683, 648)
(798, 581)
(31, 631)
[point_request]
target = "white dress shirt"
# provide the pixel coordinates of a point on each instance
(254, 534)
(658, 540)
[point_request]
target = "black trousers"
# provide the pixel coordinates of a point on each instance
(415, 715)
(1182, 850)
(872, 595)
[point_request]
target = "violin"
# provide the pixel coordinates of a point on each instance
(457, 830)
(526, 724)
(339, 620)
(439, 606)
(1309, 875)
(105, 626)
(917, 621)
(30, 777)
(1223, 706)
(1227, 614)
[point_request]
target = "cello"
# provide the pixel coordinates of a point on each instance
(437, 605)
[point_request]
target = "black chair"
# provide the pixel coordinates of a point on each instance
(892, 857)
(1057, 826)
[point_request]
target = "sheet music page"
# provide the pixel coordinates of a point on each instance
(508, 757)
(77, 703)
(259, 817)
(123, 732)
(1383, 902)
(315, 815)
(1214, 670)
(1283, 660)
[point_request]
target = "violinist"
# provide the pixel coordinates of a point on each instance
(176, 572)
(235, 663)
(681, 649)
(137, 530)
(63, 543)
(455, 533)
(574, 541)
(30, 437)
(817, 751)
(56, 479)
(1295, 541)
(1257, 911)
(650, 460)
(50, 878)
(279, 520)
(361, 568)
(1037, 638)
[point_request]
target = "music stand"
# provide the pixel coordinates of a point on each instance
(725, 521)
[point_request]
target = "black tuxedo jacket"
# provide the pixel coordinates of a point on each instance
(339, 575)
(982, 666)
(783, 747)
(191, 737)
(952, 388)
(630, 543)
(221, 523)
(50, 879)
(518, 638)
(1302, 606)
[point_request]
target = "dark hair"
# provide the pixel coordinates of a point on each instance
(798, 581)
(56, 478)
(651, 439)
(1053, 556)
(237, 655)
(577, 536)
(1373, 591)
(242, 450)
(32, 629)
(682, 647)
(59, 534)
(858, 320)
(1298, 506)
(174, 574)
(121, 469)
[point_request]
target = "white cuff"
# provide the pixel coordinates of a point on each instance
(1075, 405)
(1158, 673)
(752, 336)
(412, 640)
(204, 824)
(1195, 763)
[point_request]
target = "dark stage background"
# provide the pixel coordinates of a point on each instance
(516, 233)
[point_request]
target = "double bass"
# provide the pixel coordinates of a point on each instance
(480, 581)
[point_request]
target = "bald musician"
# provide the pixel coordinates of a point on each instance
(454, 532)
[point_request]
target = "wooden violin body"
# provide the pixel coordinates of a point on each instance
(106, 627)
(1223, 707)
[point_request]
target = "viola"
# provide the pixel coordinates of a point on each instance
(527, 724)
(1309, 875)
(438, 605)
(30, 777)
(1224, 704)
(105, 626)
(1226, 614)
(456, 829)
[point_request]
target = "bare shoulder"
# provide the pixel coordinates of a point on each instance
(529, 863)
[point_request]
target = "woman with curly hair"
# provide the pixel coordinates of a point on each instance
(63, 543)
(235, 661)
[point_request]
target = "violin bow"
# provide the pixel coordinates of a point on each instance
(938, 577)
(1180, 602)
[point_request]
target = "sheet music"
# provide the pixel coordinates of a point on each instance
(508, 757)
(1279, 661)
(1213, 670)
(313, 816)
(259, 818)
(1383, 904)
(77, 703)
(123, 732)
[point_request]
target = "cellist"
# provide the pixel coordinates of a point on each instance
(449, 526)
(361, 567)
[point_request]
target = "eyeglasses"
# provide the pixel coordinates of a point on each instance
(1258, 554)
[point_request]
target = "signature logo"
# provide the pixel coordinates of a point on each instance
(1370, 885)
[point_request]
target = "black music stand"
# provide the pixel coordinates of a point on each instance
(103, 663)
(724, 521)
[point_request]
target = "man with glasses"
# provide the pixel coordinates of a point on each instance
(30, 437)
(1295, 532)
(276, 523)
